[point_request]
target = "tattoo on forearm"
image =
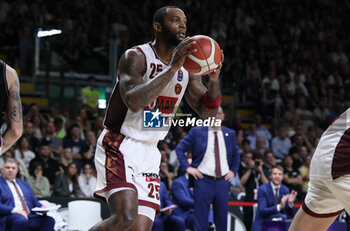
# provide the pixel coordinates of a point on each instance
(6, 145)
(16, 110)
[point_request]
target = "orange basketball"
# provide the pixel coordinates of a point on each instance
(206, 58)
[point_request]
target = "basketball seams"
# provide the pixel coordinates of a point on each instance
(201, 49)
(205, 58)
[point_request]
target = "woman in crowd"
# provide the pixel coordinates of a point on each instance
(87, 180)
(23, 151)
(39, 183)
(66, 184)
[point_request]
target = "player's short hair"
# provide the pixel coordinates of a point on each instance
(158, 16)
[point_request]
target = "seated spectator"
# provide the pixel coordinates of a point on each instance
(51, 166)
(260, 147)
(23, 151)
(40, 184)
(78, 146)
(65, 159)
(60, 132)
(87, 180)
(322, 114)
(167, 220)
(235, 187)
(281, 144)
(49, 135)
(269, 162)
(274, 200)
(17, 200)
(165, 175)
(304, 172)
(252, 176)
(306, 116)
(292, 178)
(183, 198)
(29, 133)
(66, 184)
(262, 131)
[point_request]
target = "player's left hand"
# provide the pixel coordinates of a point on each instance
(229, 175)
(214, 75)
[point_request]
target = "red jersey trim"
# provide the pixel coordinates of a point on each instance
(324, 215)
(150, 204)
(155, 53)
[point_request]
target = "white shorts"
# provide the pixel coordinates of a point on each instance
(123, 163)
(328, 198)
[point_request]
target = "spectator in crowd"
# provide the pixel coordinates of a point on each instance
(89, 98)
(252, 176)
(167, 220)
(165, 175)
(49, 135)
(51, 166)
(292, 178)
(40, 184)
(236, 187)
(281, 144)
(17, 200)
(66, 184)
(23, 151)
(87, 180)
(65, 158)
(60, 132)
(306, 116)
(78, 146)
(274, 200)
(322, 114)
(262, 131)
(269, 162)
(182, 196)
(260, 147)
(29, 132)
(304, 172)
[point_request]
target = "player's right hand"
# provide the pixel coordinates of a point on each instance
(194, 172)
(180, 53)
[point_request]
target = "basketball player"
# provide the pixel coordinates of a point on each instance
(151, 79)
(10, 105)
(329, 187)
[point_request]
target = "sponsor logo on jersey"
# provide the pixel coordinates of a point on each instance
(180, 75)
(178, 88)
(151, 177)
(165, 104)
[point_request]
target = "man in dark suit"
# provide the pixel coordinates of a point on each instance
(274, 200)
(167, 220)
(16, 202)
(183, 198)
(215, 160)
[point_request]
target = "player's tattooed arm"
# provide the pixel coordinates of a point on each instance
(137, 93)
(13, 111)
(195, 93)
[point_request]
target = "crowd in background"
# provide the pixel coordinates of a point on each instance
(289, 59)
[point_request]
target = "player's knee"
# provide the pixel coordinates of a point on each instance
(126, 219)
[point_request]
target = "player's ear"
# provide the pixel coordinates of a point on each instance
(157, 27)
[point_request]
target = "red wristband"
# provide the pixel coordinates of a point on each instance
(211, 103)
